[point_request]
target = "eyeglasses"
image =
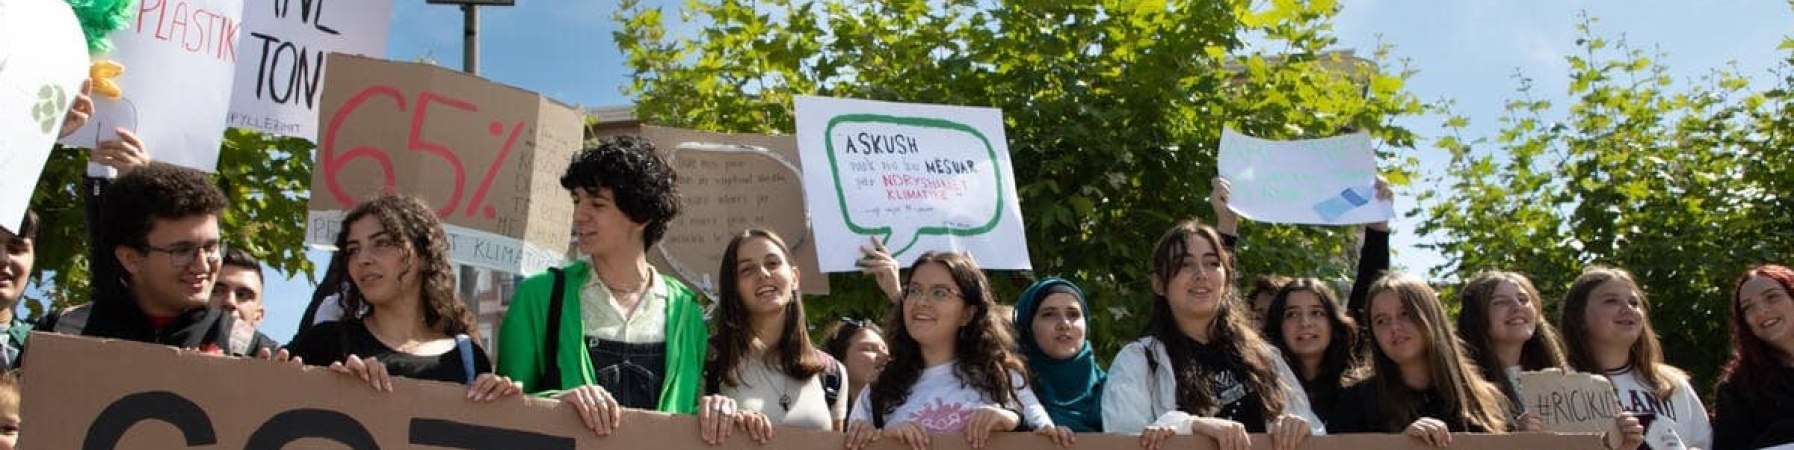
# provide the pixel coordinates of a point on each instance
(935, 294)
(182, 255)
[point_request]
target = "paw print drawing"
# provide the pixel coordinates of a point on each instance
(52, 102)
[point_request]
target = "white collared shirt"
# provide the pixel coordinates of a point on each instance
(603, 317)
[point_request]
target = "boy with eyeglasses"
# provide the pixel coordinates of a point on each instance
(160, 229)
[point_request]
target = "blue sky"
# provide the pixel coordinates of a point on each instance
(1464, 50)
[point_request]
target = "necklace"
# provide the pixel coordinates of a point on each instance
(767, 374)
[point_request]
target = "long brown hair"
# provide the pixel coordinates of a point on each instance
(1453, 375)
(420, 233)
(1232, 329)
(1754, 361)
(1543, 351)
(729, 345)
(1342, 362)
(1645, 356)
(982, 348)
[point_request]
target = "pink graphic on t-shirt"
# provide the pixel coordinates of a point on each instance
(938, 416)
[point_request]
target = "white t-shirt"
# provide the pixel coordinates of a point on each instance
(1682, 414)
(941, 403)
(762, 387)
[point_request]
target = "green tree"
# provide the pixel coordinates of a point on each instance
(1113, 111)
(266, 178)
(1683, 186)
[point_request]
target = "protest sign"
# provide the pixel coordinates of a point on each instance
(1329, 181)
(1569, 401)
(729, 183)
(488, 157)
(179, 57)
(917, 177)
(75, 398)
(43, 58)
(280, 69)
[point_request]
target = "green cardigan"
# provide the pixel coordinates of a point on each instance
(520, 341)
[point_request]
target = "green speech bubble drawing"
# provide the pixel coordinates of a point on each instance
(887, 232)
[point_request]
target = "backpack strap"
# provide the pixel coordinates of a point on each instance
(464, 345)
(831, 379)
(552, 348)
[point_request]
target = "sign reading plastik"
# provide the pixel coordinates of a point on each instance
(486, 156)
(43, 58)
(75, 399)
(917, 177)
(179, 57)
(1328, 181)
(730, 183)
(280, 65)
(1569, 401)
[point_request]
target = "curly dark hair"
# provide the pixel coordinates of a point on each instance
(1231, 328)
(157, 191)
(1544, 351)
(982, 349)
(729, 344)
(412, 222)
(643, 183)
(1342, 363)
(132, 204)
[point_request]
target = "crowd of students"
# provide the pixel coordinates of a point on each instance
(609, 331)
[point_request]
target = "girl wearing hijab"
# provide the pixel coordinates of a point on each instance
(1053, 339)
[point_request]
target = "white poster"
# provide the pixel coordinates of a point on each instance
(280, 58)
(179, 57)
(43, 58)
(1329, 181)
(917, 177)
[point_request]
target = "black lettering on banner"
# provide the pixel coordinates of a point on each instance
(293, 425)
(112, 423)
(444, 433)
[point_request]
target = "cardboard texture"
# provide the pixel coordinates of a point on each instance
(1570, 401)
(729, 183)
(83, 393)
(488, 157)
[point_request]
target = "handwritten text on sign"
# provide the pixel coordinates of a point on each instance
(1569, 401)
(179, 58)
(908, 173)
(729, 183)
(484, 155)
(281, 74)
(1328, 181)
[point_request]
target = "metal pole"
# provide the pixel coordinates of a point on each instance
(470, 44)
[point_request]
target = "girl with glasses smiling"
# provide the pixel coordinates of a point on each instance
(951, 366)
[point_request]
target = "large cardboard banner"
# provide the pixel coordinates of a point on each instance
(179, 57)
(918, 177)
(1570, 401)
(43, 58)
(280, 69)
(729, 183)
(78, 396)
(1329, 181)
(487, 156)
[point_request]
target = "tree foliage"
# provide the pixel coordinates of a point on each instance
(266, 178)
(1684, 186)
(1113, 109)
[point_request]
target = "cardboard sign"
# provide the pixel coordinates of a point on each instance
(280, 71)
(75, 398)
(488, 157)
(1328, 181)
(918, 177)
(179, 57)
(1570, 401)
(43, 58)
(729, 183)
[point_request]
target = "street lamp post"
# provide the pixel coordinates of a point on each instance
(470, 25)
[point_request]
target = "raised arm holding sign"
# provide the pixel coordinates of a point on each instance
(1328, 181)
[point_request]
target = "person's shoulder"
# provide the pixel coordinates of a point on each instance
(536, 287)
(677, 289)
